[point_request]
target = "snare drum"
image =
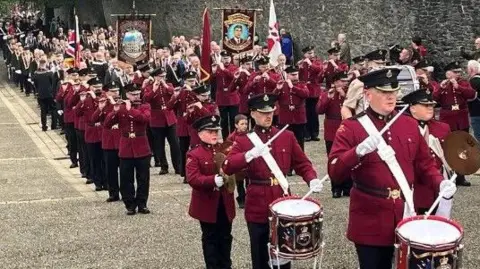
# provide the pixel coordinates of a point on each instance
(431, 243)
(295, 228)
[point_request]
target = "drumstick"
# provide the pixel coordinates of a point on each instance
(390, 123)
(437, 201)
(311, 190)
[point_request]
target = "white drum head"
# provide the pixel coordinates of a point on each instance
(296, 207)
(429, 232)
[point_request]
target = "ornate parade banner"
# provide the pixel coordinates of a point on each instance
(238, 30)
(134, 35)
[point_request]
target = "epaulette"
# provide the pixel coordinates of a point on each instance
(359, 115)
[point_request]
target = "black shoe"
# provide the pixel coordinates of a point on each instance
(157, 165)
(144, 210)
(346, 193)
(177, 173)
(185, 180)
(464, 183)
(84, 176)
(163, 171)
(131, 211)
(89, 181)
(44, 128)
(62, 132)
(307, 139)
(98, 188)
(74, 165)
(337, 194)
(53, 128)
(112, 199)
(290, 173)
(315, 139)
(104, 188)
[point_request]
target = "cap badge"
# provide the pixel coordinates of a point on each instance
(265, 98)
(389, 74)
(456, 63)
(380, 52)
(214, 119)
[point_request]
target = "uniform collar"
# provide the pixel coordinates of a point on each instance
(262, 130)
(377, 116)
(206, 145)
(422, 123)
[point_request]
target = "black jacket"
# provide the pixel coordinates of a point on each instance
(43, 81)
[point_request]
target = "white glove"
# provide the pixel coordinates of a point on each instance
(256, 152)
(448, 188)
(316, 185)
(368, 145)
(218, 181)
(60, 112)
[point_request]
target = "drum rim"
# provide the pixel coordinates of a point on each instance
(439, 247)
(303, 256)
(302, 217)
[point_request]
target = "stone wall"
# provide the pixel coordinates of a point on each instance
(444, 24)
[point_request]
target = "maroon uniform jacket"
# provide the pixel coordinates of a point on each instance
(208, 108)
(179, 105)
(310, 74)
(448, 98)
(93, 129)
(239, 84)
(262, 85)
(423, 195)
(233, 136)
(70, 100)
(79, 118)
(111, 135)
(61, 94)
(130, 122)
(331, 108)
(138, 79)
(330, 71)
(291, 103)
(161, 116)
(225, 95)
(200, 169)
(372, 219)
(288, 154)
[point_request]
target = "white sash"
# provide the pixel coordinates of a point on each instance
(445, 206)
(387, 154)
(271, 163)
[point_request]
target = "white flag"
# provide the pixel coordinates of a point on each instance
(273, 39)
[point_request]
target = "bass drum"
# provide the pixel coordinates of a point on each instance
(407, 80)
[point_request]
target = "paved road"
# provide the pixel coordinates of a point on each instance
(51, 219)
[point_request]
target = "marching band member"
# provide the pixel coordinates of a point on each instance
(239, 82)
(93, 131)
(178, 103)
(310, 72)
(452, 97)
(211, 203)
(163, 122)
(110, 138)
(198, 106)
(134, 152)
(330, 104)
(333, 66)
(381, 177)
(291, 101)
(421, 109)
(262, 81)
(226, 99)
(264, 185)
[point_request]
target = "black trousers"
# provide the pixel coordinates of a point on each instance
(259, 236)
(47, 105)
(26, 85)
(159, 136)
(83, 154)
(71, 135)
(240, 190)
(140, 168)
(227, 122)
(313, 125)
(346, 185)
(184, 142)
(299, 132)
(95, 157)
(112, 162)
(373, 257)
(151, 144)
(217, 240)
